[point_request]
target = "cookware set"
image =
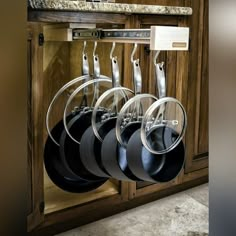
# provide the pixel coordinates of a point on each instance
(109, 131)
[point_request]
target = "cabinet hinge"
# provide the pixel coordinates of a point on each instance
(41, 39)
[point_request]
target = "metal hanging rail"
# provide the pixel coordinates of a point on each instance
(111, 35)
(159, 37)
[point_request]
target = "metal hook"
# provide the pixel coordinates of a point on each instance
(95, 47)
(155, 57)
(112, 50)
(133, 52)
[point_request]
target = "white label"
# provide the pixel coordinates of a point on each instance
(169, 38)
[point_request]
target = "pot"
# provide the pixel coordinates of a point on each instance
(113, 151)
(91, 141)
(159, 139)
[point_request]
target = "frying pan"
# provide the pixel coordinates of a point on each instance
(91, 141)
(158, 138)
(56, 170)
(114, 150)
(74, 129)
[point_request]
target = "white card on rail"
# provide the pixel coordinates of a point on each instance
(168, 38)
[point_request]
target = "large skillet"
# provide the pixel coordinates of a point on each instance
(74, 129)
(58, 172)
(70, 141)
(159, 138)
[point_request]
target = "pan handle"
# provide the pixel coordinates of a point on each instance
(137, 76)
(161, 84)
(96, 71)
(114, 68)
(115, 73)
(115, 76)
(85, 71)
(161, 80)
(85, 62)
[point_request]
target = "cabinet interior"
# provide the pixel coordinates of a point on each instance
(56, 199)
(62, 62)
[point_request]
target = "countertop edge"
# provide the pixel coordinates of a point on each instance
(77, 6)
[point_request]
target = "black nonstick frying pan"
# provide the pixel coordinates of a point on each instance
(91, 141)
(71, 138)
(58, 172)
(163, 127)
(51, 151)
(70, 141)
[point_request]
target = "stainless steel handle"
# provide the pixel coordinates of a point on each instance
(85, 71)
(96, 72)
(161, 80)
(85, 63)
(137, 77)
(115, 80)
(161, 83)
(115, 72)
(96, 67)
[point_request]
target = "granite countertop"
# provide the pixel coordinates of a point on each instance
(75, 5)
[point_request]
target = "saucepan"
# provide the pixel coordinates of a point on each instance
(128, 121)
(91, 141)
(159, 138)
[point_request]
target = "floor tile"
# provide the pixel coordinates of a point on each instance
(182, 214)
(200, 193)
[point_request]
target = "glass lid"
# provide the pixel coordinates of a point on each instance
(89, 91)
(132, 114)
(112, 101)
(163, 125)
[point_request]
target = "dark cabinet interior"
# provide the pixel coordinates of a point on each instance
(52, 64)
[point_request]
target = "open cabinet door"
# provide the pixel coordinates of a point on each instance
(197, 106)
(35, 208)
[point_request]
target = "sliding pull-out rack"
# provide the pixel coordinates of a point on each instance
(159, 37)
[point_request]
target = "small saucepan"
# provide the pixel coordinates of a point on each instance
(160, 138)
(128, 121)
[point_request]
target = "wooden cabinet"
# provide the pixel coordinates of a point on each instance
(52, 64)
(35, 122)
(197, 105)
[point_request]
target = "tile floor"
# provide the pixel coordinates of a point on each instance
(182, 214)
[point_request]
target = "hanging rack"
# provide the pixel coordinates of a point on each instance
(109, 35)
(159, 37)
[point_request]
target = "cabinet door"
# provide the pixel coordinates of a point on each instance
(35, 163)
(197, 105)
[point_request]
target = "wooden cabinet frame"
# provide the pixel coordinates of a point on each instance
(129, 195)
(197, 105)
